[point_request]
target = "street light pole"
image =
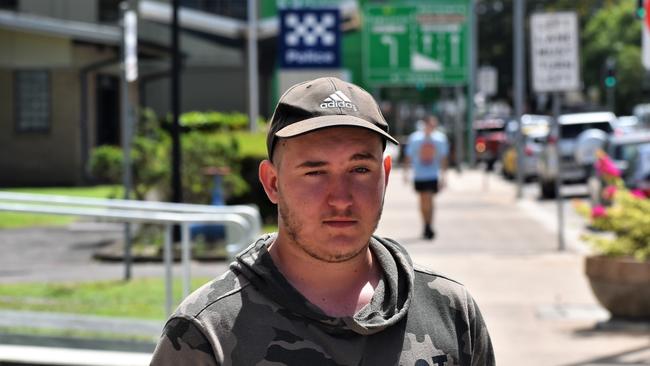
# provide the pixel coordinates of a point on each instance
(471, 88)
(253, 81)
(177, 193)
(519, 84)
(127, 179)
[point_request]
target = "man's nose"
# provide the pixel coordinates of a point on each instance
(340, 192)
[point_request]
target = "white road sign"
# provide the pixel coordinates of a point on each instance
(487, 80)
(554, 51)
(131, 45)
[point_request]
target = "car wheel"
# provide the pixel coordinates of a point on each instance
(547, 189)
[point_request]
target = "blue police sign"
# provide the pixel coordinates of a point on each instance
(310, 38)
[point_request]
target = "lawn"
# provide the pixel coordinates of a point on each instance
(19, 220)
(142, 298)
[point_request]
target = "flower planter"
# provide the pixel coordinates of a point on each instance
(621, 285)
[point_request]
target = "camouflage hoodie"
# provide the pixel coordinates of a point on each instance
(251, 315)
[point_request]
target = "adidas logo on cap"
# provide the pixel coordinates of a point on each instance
(338, 100)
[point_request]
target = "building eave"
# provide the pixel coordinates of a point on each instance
(82, 31)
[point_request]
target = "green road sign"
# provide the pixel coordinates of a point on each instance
(416, 43)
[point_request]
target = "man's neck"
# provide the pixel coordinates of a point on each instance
(339, 289)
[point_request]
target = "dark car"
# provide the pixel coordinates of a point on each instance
(490, 138)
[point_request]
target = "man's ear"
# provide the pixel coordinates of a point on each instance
(388, 164)
(268, 175)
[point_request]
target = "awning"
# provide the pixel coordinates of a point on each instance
(220, 25)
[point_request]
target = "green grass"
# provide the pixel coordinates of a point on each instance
(139, 298)
(19, 220)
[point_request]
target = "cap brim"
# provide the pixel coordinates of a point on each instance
(317, 123)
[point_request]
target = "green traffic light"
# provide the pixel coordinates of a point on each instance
(610, 81)
(640, 13)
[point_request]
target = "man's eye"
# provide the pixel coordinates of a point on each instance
(315, 173)
(361, 170)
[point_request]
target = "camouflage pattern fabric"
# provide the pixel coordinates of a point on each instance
(251, 315)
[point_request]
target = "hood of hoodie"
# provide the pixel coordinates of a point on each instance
(389, 304)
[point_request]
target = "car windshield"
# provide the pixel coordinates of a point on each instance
(629, 152)
(573, 130)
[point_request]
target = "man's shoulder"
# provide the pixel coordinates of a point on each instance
(213, 294)
(440, 136)
(438, 281)
(416, 136)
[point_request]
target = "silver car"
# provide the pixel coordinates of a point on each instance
(580, 136)
(534, 132)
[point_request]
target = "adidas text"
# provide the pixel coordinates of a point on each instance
(339, 104)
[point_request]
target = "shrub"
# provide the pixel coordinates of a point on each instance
(106, 164)
(149, 158)
(151, 152)
(203, 151)
(626, 216)
(213, 121)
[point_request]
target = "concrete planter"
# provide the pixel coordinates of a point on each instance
(621, 285)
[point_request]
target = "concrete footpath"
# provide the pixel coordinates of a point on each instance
(536, 301)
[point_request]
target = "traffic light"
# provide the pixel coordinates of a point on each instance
(610, 73)
(640, 9)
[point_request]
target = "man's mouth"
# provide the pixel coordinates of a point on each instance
(340, 222)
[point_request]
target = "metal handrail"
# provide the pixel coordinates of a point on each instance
(251, 213)
(149, 215)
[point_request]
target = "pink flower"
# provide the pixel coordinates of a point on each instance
(609, 192)
(638, 193)
(598, 211)
(605, 166)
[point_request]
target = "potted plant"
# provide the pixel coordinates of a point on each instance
(619, 272)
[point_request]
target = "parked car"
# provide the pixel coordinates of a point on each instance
(631, 154)
(589, 131)
(626, 124)
(534, 131)
(490, 137)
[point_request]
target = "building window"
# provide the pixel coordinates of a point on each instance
(32, 100)
(8, 4)
(108, 11)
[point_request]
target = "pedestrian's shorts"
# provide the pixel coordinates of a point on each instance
(426, 185)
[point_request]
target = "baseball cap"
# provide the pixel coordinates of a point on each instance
(324, 102)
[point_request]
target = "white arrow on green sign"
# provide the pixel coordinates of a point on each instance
(416, 44)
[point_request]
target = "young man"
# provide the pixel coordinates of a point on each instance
(324, 290)
(427, 151)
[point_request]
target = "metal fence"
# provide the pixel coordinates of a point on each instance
(243, 223)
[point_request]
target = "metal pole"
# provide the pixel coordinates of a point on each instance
(167, 255)
(472, 53)
(460, 147)
(519, 84)
(185, 258)
(253, 82)
(177, 193)
(558, 178)
(126, 145)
